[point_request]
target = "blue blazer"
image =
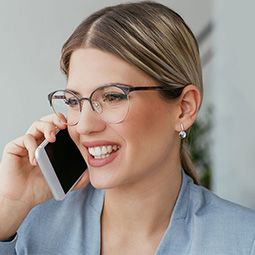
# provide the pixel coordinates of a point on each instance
(201, 224)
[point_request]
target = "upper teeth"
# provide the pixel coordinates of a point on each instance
(102, 151)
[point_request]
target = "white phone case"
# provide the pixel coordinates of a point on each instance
(49, 173)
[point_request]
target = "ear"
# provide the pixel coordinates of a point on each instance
(188, 106)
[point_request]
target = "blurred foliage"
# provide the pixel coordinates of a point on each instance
(199, 140)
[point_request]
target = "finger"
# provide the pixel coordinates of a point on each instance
(23, 146)
(14, 147)
(42, 129)
(31, 145)
(46, 127)
(84, 181)
(58, 120)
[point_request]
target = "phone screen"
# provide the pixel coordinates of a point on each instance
(66, 159)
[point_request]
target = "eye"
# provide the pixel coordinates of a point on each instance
(72, 102)
(113, 97)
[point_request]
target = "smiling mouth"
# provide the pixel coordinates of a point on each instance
(101, 152)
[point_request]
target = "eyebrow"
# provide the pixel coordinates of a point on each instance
(102, 85)
(75, 92)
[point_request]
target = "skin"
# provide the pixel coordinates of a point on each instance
(143, 180)
(22, 185)
(149, 122)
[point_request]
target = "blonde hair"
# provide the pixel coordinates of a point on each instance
(150, 36)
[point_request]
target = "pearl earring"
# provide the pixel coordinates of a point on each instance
(182, 133)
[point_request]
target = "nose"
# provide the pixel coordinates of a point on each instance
(90, 121)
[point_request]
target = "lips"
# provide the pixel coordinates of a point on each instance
(101, 152)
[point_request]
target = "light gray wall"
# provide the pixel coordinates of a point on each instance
(32, 34)
(234, 90)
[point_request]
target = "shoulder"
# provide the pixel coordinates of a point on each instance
(208, 204)
(61, 227)
(221, 223)
(85, 200)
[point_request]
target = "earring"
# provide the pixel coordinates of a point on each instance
(182, 133)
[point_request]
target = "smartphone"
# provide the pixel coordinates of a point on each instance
(61, 164)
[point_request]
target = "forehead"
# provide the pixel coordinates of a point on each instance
(90, 68)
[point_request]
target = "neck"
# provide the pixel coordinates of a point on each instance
(143, 208)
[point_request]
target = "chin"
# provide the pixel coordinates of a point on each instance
(100, 185)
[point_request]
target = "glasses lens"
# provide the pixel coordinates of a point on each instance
(66, 104)
(111, 102)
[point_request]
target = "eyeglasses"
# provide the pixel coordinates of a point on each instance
(110, 101)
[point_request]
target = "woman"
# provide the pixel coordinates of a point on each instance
(140, 196)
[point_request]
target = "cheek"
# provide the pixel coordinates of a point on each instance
(148, 125)
(149, 137)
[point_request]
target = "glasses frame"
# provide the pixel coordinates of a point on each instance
(127, 89)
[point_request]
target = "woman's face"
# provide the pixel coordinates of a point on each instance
(142, 146)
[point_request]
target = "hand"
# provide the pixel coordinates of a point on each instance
(22, 185)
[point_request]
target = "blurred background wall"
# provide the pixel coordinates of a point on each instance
(32, 34)
(234, 104)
